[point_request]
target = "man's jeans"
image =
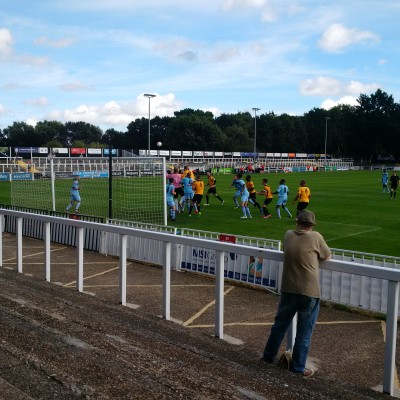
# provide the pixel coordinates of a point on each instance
(307, 309)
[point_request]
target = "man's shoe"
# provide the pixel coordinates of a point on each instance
(243, 217)
(223, 202)
(205, 204)
(308, 373)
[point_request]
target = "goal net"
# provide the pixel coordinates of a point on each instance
(136, 191)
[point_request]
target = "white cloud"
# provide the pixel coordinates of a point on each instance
(2, 110)
(31, 121)
(329, 103)
(6, 41)
(76, 86)
(240, 4)
(39, 102)
(382, 61)
(326, 86)
(57, 44)
(119, 115)
(337, 37)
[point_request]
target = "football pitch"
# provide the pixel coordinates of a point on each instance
(352, 212)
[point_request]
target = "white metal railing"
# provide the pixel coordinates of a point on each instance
(389, 274)
(366, 258)
(244, 240)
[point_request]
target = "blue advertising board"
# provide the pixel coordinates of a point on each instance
(21, 176)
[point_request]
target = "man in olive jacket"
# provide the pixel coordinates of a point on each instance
(300, 291)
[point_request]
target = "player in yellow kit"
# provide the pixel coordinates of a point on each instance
(303, 196)
(212, 189)
(252, 193)
(267, 192)
(198, 188)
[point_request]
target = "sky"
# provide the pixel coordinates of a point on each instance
(93, 60)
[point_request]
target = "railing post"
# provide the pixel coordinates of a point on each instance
(219, 295)
(47, 250)
(391, 334)
(166, 306)
(122, 269)
(19, 245)
(79, 278)
(291, 334)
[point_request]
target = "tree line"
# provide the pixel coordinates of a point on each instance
(369, 129)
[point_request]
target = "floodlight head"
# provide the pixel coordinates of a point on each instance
(149, 95)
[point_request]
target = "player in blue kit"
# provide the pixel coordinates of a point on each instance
(238, 186)
(243, 193)
(74, 195)
(188, 193)
(282, 192)
(170, 198)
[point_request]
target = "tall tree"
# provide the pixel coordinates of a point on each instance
(20, 134)
(82, 131)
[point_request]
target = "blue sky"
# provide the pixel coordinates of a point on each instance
(92, 60)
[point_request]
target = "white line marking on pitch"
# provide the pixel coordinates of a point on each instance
(353, 234)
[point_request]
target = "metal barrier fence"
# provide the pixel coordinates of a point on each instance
(60, 233)
(348, 289)
(252, 270)
(389, 275)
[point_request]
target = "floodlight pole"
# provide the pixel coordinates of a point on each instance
(149, 96)
(326, 134)
(255, 109)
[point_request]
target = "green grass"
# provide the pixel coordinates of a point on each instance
(351, 211)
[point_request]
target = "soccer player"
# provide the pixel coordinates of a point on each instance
(394, 183)
(282, 192)
(198, 188)
(243, 193)
(385, 181)
(186, 170)
(238, 186)
(186, 183)
(176, 176)
(267, 192)
(252, 193)
(303, 196)
(212, 189)
(170, 198)
(74, 195)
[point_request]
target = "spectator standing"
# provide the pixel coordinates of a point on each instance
(300, 292)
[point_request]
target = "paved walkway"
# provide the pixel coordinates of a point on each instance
(347, 350)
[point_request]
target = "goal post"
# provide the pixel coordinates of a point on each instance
(138, 190)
